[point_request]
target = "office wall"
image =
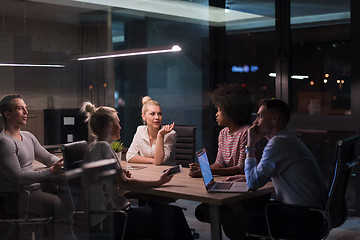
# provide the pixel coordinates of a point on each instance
(177, 84)
(40, 41)
(175, 80)
(36, 41)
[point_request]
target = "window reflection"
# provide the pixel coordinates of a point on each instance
(250, 50)
(321, 50)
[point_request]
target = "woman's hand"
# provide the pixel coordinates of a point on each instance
(164, 178)
(127, 173)
(57, 168)
(236, 178)
(166, 129)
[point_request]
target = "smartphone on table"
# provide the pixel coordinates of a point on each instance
(173, 170)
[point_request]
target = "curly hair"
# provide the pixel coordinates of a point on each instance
(234, 101)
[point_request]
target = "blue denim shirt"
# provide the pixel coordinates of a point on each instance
(292, 168)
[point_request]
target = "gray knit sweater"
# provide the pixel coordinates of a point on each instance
(16, 162)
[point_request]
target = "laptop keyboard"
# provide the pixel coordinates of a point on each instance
(222, 185)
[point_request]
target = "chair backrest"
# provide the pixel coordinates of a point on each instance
(185, 144)
(336, 205)
(73, 154)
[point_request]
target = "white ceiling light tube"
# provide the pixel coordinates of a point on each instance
(31, 65)
(132, 52)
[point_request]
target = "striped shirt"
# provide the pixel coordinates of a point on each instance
(231, 150)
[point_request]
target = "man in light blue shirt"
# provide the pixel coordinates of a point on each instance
(285, 161)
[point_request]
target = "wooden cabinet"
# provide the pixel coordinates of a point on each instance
(35, 124)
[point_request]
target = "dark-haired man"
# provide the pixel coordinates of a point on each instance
(18, 150)
(285, 161)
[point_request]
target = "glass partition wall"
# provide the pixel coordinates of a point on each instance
(322, 87)
(312, 60)
(321, 58)
(50, 36)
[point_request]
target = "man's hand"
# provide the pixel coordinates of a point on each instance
(57, 168)
(236, 178)
(253, 135)
(194, 170)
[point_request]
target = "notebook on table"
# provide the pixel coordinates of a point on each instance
(210, 184)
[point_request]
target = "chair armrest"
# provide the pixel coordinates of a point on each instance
(29, 221)
(289, 221)
(109, 211)
(352, 163)
(76, 164)
(275, 204)
(17, 218)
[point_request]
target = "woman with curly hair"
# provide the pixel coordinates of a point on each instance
(234, 108)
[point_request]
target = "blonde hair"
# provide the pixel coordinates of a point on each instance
(98, 118)
(147, 101)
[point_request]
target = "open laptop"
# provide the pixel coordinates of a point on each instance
(210, 184)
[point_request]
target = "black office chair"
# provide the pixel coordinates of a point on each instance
(73, 154)
(185, 151)
(185, 144)
(336, 209)
(89, 175)
(11, 219)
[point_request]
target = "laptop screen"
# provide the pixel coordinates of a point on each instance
(204, 166)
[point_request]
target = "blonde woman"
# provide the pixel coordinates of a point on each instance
(143, 222)
(153, 142)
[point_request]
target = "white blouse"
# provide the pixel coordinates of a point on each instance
(141, 146)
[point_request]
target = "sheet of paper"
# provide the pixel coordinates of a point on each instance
(134, 167)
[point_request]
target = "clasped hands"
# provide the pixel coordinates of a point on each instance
(196, 172)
